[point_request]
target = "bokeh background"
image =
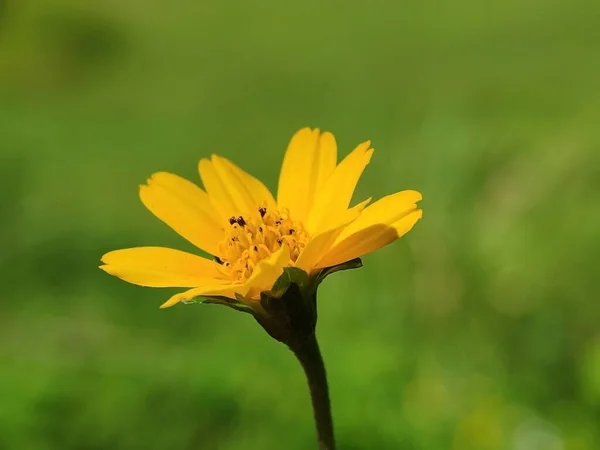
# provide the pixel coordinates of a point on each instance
(478, 330)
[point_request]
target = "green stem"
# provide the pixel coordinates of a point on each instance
(309, 355)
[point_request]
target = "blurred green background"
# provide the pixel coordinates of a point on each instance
(478, 330)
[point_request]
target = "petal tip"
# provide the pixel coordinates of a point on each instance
(156, 176)
(172, 301)
(417, 195)
(365, 203)
(105, 258)
(302, 133)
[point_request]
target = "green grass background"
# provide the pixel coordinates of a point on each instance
(478, 330)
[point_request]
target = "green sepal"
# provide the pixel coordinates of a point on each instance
(355, 263)
(290, 275)
(236, 304)
(306, 284)
(288, 310)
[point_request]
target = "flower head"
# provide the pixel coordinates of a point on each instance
(252, 236)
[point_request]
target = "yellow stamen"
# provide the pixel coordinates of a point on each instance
(251, 239)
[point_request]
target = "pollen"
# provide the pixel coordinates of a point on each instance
(250, 239)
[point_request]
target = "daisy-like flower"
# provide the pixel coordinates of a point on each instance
(269, 255)
(253, 236)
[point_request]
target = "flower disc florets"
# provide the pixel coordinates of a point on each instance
(249, 239)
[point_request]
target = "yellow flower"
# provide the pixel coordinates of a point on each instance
(252, 236)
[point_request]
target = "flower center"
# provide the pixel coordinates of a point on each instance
(251, 239)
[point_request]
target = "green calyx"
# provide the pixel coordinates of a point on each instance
(288, 312)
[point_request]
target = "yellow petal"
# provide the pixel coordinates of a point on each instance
(361, 206)
(233, 191)
(386, 210)
(185, 208)
(262, 279)
(405, 224)
(224, 290)
(320, 244)
(308, 162)
(380, 224)
(336, 194)
(160, 267)
(220, 197)
(251, 188)
(266, 273)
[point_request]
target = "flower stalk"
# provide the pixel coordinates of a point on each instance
(289, 314)
(309, 355)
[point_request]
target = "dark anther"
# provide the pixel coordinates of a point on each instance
(278, 222)
(218, 260)
(232, 220)
(279, 241)
(262, 211)
(255, 248)
(292, 231)
(241, 222)
(260, 229)
(226, 264)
